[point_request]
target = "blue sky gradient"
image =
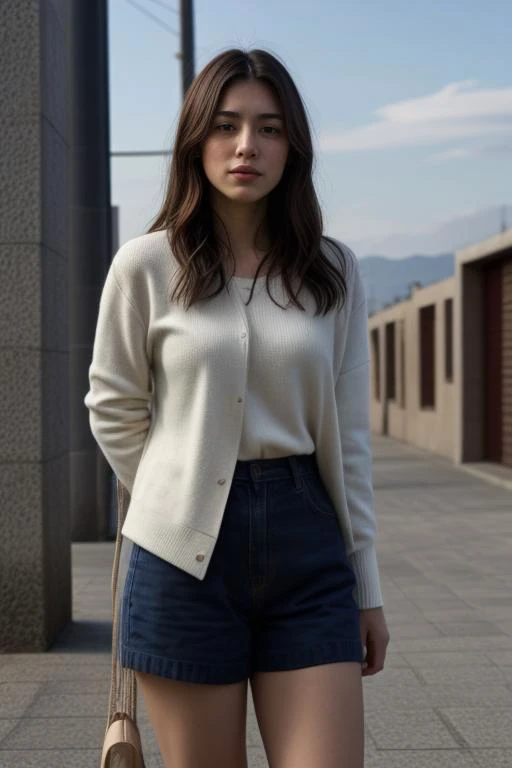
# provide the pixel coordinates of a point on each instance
(410, 104)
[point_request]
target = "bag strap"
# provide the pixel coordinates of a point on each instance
(123, 686)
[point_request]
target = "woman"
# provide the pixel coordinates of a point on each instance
(229, 393)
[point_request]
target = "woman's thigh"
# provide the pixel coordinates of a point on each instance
(197, 725)
(311, 716)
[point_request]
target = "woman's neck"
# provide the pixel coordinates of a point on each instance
(245, 229)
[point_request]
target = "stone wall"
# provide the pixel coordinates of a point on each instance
(35, 572)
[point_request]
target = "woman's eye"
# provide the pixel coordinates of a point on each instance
(270, 130)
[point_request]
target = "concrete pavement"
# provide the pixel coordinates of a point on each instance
(444, 699)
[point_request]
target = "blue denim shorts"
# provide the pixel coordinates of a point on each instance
(278, 593)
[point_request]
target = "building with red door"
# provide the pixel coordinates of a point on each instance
(442, 360)
(484, 340)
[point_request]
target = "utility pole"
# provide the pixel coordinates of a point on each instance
(187, 44)
(186, 56)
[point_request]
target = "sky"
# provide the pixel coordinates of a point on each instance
(410, 106)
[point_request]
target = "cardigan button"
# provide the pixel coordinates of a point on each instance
(243, 335)
(200, 557)
(221, 481)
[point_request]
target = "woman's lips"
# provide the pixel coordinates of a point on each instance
(244, 175)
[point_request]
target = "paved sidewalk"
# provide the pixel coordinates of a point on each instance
(444, 699)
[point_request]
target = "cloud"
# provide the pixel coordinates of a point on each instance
(457, 111)
(458, 153)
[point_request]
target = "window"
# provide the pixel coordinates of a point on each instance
(402, 364)
(390, 362)
(448, 339)
(427, 356)
(376, 363)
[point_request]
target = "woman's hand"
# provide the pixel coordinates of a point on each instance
(375, 637)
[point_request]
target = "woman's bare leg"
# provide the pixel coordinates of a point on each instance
(311, 717)
(197, 725)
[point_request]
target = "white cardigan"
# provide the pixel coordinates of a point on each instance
(166, 399)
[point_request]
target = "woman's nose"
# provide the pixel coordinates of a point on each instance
(247, 144)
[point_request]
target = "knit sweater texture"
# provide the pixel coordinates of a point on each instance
(177, 396)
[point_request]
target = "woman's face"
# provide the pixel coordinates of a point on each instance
(248, 130)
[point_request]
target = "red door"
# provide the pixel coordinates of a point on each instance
(492, 286)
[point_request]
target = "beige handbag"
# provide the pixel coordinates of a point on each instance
(122, 747)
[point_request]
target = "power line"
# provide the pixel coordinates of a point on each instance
(143, 153)
(167, 7)
(186, 55)
(153, 17)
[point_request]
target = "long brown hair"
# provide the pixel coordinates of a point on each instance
(294, 218)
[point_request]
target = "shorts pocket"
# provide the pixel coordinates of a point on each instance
(316, 496)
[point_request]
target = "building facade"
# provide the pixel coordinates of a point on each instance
(484, 351)
(442, 360)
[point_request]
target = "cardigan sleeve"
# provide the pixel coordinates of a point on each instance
(119, 396)
(352, 393)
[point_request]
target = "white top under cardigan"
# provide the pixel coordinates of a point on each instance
(171, 409)
(273, 425)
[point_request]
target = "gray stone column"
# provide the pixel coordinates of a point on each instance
(35, 574)
(91, 253)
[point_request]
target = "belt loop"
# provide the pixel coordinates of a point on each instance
(297, 477)
(255, 471)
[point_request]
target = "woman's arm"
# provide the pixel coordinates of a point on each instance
(120, 382)
(353, 404)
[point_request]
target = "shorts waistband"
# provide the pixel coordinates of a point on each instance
(274, 469)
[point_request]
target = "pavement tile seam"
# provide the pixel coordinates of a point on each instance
(71, 716)
(50, 749)
(450, 727)
(496, 664)
(79, 733)
(473, 629)
(10, 696)
(426, 750)
(437, 758)
(45, 705)
(419, 677)
(369, 741)
(60, 657)
(446, 659)
(486, 727)
(7, 726)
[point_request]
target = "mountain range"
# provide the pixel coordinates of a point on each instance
(387, 280)
(389, 265)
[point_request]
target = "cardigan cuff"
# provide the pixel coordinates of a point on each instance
(367, 592)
